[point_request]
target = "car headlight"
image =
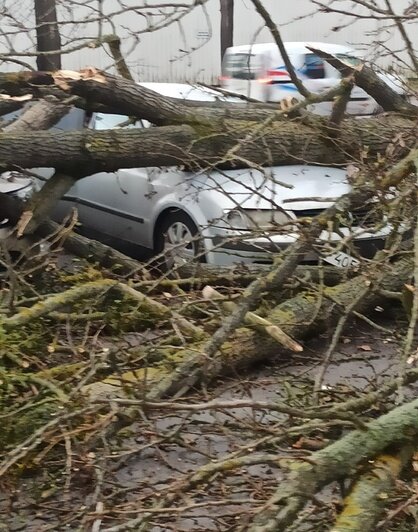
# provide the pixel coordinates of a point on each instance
(253, 219)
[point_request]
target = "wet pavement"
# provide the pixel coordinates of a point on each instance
(153, 464)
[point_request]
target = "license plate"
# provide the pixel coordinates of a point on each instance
(341, 260)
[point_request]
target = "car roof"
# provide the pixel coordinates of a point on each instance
(187, 91)
(299, 47)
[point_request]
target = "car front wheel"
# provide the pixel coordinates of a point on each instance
(177, 241)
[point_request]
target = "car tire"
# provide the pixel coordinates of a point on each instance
(171, 233)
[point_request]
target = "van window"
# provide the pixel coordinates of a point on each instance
(314, 67)
(242, 66)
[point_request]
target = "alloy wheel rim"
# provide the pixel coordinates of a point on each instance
(178, 244)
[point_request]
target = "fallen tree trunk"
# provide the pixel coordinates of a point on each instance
(86, 152)
(91, 250)
(368, 495)
(209, 134)
(198, 274)
(174, 372)
(242, 274)
(399, 426)
(297, 317)
(42, 115)
(367, 79)
(133, 99)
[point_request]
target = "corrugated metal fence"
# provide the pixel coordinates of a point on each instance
(188, 49)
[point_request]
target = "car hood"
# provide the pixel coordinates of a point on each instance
(192, 92)
(308, 187)
(11, 182)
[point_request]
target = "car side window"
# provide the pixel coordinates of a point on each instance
(102, 121)
(314, 67)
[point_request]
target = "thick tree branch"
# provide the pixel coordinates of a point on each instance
(86, 152)
(42, 115)
(129, 98)
(113, 41)
(337, 460)
(364, 504)
(369, 81)
(42, 203)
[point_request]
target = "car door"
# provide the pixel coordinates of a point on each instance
(116, 204)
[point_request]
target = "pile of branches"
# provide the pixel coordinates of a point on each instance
(95, 357)
(74, 391)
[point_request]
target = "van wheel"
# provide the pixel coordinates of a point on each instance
(177, 240)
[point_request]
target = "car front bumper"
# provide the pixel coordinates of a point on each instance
(263, 251)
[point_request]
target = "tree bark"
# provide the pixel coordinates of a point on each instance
(97, 87)
(337, 460)
(227, 25)
(47, 35)
(86, 152)
(135, 100)
(42, 115)
(367, 499)
(368, 80)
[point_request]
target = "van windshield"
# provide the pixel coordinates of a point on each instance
(242, 66)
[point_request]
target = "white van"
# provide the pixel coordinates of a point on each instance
(258, 71)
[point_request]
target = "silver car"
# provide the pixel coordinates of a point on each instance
(12, 184)
(221, 217)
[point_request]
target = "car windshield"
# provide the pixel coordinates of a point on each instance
(74, 119)
(110, 121)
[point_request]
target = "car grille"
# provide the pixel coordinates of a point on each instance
(363, 217)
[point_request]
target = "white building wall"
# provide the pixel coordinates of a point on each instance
(189, 48)
(185, 50)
